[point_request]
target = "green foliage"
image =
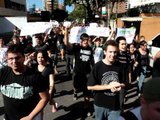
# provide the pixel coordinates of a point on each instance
(78, 13)
(69, 2)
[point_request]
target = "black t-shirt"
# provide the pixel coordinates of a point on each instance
(52, 41)
(43, 47)
(83, 59)
(104, 74)
(20, 92)
(60, 38)
(143, 59)
(135, 71)
(46, 73)
(123, 60)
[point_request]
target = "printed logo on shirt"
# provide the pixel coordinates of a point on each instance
(85, 55)
(110, 76)
(16, 91)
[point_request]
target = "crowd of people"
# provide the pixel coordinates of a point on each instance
(102, 68)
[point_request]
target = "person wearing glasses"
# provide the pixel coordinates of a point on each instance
(24, 90)
(143, 62)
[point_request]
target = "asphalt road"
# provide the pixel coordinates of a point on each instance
(70, 109)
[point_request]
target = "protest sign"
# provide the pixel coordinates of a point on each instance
(128, 33)
(35, 28)
(76, 32)
(98, 31)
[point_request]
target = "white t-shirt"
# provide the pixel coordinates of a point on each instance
(2, 56)
(136, 112)
(98, 54)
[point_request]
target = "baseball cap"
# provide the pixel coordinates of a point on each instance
(151, 90)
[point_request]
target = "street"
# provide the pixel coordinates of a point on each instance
(70, 109)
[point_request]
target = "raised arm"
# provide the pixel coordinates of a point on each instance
(66, 41)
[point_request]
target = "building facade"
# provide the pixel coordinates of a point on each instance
(148, 22)
(50, 5)
(12, 8)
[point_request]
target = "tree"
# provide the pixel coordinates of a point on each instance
(87, 4)
(79, 13)
(92, 6)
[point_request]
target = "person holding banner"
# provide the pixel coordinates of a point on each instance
(83, 61)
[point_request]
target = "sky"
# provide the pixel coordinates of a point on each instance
(39, 4)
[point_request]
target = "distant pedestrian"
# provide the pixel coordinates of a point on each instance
(143, 62)
(97, 50)
(3, 50)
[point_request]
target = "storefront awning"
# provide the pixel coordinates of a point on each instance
(131, 19)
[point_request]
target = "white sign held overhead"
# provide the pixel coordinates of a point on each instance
(67, 24)
(35, 28)
(76, 32)
(128, 33)
(98, 31)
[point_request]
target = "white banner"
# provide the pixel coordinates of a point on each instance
(35, 28)
(98, 31)
(76, 32)
(128, 33)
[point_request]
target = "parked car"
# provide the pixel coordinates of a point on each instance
(154, 47)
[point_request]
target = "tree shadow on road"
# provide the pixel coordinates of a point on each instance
(62, 77)
(75, 112)
(62, 93)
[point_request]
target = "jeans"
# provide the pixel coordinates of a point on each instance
(69, 63)
(142, 77)
(102, 113)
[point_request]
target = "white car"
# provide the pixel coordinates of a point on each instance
(154, 47)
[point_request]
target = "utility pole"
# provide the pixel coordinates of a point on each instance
(52, 5)
(108, 7)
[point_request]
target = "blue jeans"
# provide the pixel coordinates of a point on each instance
(102, 113)
(142, 77)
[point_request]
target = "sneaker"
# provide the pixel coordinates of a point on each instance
(75, 96)
(89, 114)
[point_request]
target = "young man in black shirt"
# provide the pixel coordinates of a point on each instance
(83, 61)
(24, 90)
(105, 81)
